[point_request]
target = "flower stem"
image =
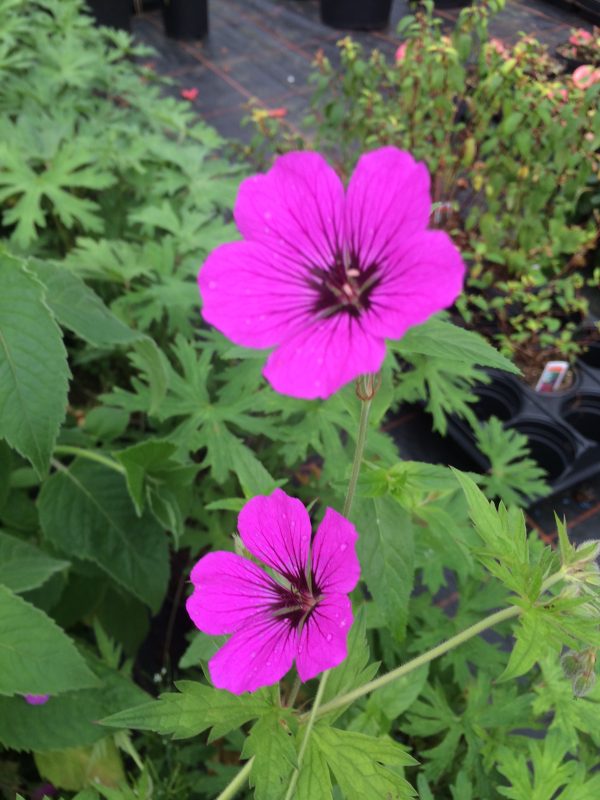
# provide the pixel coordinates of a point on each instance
(91, 455)
(361, 439)
(236, 784)
(294, 692)
(430, 655)
(309, 726)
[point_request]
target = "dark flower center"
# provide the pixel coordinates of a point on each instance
(344, 287)
(296, 603)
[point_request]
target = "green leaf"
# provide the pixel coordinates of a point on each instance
(314, 782)
(79, 308)
(271, 743)
(194, 709)
(36, 657)
(33, 367)
(23, 566)
(86, 512)
(360, 764)
(386, 552)
(513, 475)
(202, 648)
(153, 364)
(438, 338)
(356, 669)
(77, 767)
(69, 719)
(163, 482)
(394, 699)
(530, 645)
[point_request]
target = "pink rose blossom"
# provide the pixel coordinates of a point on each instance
(325, 277)
(401, 52)
(37, 699)
(304, 614)
(580, 36)
(585, 76)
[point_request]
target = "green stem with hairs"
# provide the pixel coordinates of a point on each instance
(91, 455)
(366, 384)
(236, 784)
(440, 650)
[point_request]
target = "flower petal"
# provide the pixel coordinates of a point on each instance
(296, 209)
(37, 699)
(258, 655)
(253, 295)
(387, 200)
(276, 529)
(319, 360)
(228, 591)
(423, 276)
(322, 642)
(335, 565)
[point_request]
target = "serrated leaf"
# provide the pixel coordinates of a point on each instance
(153, 364)
(36, 656)
(141, 460)
(395, 698)
(438, 338)
(531, 645)
(194, 709)
(314, 782)
(69, 719)
(354, 670)
(79, 308)
(86, 512)
(33, 367)
(272, 744)
(386, 552)
(360, 764)
(77, 767)
(23, 566)
(202, 648)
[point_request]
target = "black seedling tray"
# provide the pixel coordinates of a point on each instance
(562, 428)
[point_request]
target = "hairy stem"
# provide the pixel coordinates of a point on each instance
(236, 784)
(91, 455)
(309, 726)
(366, 384)
(430, 655)
(361, 439)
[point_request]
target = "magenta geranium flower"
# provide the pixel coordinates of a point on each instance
(36, 699)
(324, 276)
(303, 613)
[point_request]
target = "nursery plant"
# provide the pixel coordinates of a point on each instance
(170, 625)
(511, 142)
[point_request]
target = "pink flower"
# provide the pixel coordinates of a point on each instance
(304, 614)
(585, 76)
(580, 37)
(325, 277)
(190, 94)
(401, 52)
(36, 699)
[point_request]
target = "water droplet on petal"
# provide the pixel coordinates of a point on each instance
(300, 648)
(343, 547)
(212, 284)
(343, 623)
(329, 637)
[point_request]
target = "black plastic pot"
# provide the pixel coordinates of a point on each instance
(356, 15)
(583, 414)
(113, 13)
(497, 399)
(185, 19)
(550, 445)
